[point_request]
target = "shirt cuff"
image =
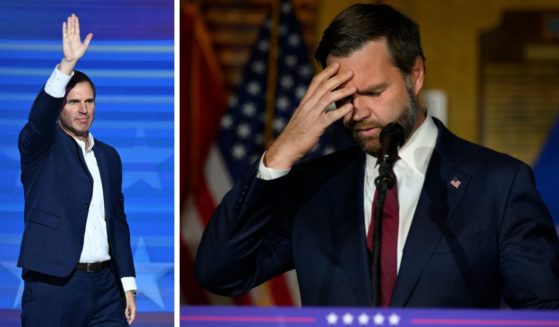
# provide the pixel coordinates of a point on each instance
(129, 283)
(267, 173)
(57, 82)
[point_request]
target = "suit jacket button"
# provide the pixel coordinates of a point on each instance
(86, 205)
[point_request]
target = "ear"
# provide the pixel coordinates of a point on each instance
(417, 75)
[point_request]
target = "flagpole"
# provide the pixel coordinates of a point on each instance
(272, 74)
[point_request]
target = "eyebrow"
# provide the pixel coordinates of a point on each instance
(374, 88)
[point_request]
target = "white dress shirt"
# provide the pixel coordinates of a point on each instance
(96, 244)
(410, 172)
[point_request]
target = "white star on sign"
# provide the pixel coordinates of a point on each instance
(393, 319)
(378, 319)
(363, 319)
(332, 319)
(347, 319)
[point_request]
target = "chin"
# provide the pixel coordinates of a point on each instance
(370, 146)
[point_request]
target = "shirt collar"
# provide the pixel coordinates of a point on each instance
(82, 143)
(416, 152)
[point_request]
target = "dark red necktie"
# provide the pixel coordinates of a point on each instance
(389, 243)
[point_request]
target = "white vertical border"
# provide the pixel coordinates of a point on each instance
(177, 162)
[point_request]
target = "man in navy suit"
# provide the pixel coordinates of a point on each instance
(75, 251)
(472, 230)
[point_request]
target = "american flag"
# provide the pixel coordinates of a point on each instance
(241, 139)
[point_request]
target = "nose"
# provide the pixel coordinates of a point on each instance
(360, 111)
(83, 108)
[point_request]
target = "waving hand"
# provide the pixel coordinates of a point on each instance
(72, 45)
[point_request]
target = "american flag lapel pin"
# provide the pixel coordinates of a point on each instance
(455, 182)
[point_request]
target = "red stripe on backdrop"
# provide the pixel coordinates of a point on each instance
(280, 291)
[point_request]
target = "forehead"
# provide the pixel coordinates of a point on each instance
(81, 89)
(372, 62)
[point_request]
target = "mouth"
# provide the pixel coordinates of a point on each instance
(368, 132)
(82, 121)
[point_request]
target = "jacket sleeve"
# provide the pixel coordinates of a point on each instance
(247, 240)
(121, 240)
(37, 135)
(529, 249)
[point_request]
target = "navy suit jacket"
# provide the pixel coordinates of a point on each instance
(488, 240)
(58, 189)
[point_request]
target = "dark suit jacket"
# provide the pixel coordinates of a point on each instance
(58, 189)
(490, 239)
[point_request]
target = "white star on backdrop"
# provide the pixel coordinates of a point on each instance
(148, 273)
(291, 61)
(278, 124)
(249, 109)
(253, 88)
(294, 40)
(238, 151)
(226, 122)
(258, 67)
(263, 45)
(150, 158)
(243, 130)
(16, 271)
(286, 82)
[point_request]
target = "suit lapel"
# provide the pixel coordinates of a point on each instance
(104, 172)
(445, 183)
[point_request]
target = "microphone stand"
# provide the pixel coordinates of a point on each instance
(384, 182)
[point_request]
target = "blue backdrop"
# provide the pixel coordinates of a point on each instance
(131, 62)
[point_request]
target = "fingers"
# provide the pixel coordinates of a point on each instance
(326, 88)
(130, 310)
(87, 40)
(328, 72)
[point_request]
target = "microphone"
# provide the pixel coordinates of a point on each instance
(391, 138)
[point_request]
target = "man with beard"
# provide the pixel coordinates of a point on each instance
(467, 226)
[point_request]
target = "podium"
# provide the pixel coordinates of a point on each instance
(213, 316)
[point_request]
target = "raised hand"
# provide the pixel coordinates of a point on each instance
(311, 118)
(72, 45)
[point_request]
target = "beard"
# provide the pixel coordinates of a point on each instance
(407, 119)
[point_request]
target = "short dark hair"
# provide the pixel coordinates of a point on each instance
(361, 23)
(79, 77)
